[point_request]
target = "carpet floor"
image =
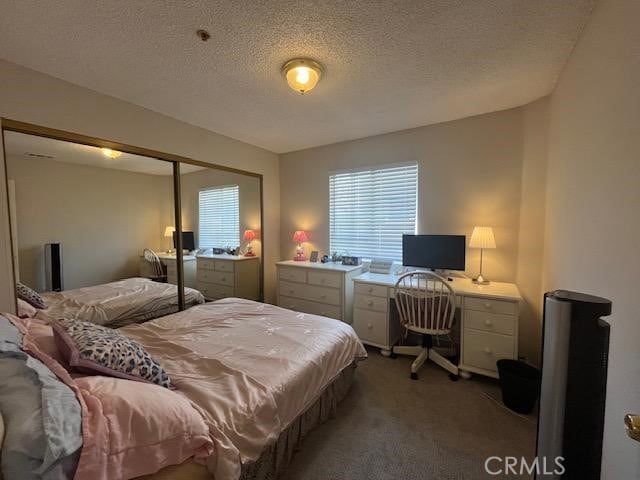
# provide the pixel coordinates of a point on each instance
(391, 427)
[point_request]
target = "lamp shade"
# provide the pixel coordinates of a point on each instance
(249, 235)
(300, 236)
(168, 232)
(482, 237)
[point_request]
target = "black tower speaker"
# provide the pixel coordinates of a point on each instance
(575, 353)
(53, 267)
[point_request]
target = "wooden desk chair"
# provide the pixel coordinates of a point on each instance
(158, 273)
(426, 304)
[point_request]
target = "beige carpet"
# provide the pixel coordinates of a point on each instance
(392, 427)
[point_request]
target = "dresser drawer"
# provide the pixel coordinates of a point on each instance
(172, 269)
(206, 263)
(494, 306)
(368, 302)
(310, 292)
(370, 326)
(490, 322)
(224, 266)
(213, 291)
(313, 308)
(325, 279)
(483, 349)
(220, 278)
(292, 274)
(369, 289)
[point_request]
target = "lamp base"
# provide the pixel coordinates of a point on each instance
(300, 257)
(249, 254)
(480, 280)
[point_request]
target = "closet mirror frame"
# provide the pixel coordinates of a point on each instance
(8, 125)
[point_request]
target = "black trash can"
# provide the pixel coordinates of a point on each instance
(520, 385)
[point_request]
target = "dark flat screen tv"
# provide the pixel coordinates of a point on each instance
(437, 252)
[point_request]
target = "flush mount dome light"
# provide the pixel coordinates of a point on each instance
(302, 74)
(107, 152)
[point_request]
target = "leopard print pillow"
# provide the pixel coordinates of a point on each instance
(95, 349)
(30, 296)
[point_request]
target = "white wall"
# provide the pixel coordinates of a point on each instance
(535, 129)
(593, 202)
(33, 97)
(470, 173)
(104, 218)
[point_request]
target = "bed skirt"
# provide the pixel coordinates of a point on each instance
(275, 456)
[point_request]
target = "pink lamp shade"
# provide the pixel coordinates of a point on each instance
(249, 236)
(300, 236)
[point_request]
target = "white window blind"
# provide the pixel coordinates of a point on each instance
(371, 209)
(219, 217)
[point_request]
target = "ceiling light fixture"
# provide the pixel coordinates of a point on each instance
(302, 74)
(107, 152)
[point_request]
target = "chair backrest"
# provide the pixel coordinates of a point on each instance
(426, 302)
(156, 265)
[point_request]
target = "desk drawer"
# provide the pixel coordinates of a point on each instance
(369, 289)
(371, 327)
(205, 263)
(310, 292)
(483, 349)
(292, 274)
(224, 266)
(211, 276)
(493, 306)
(215, 292)
(367, 302)
(313, 308)
(325, 279)
(490, 322)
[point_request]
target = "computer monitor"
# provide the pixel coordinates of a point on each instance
(441, 252)
(188, 241)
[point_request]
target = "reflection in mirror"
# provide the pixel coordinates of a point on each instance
(221, 219)
(89, 230)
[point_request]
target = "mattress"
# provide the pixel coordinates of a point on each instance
(116, 304)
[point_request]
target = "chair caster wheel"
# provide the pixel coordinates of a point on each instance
(453, 378)
(414, 376)
(393, 355)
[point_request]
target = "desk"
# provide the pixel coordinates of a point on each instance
(489, 319)
(189, 262)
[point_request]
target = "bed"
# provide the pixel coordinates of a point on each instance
(116, 304)
(250, 381)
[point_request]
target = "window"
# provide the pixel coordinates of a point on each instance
(219, 217)
(371, 209)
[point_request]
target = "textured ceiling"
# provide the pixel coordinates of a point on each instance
(390, 65)
(19, 144)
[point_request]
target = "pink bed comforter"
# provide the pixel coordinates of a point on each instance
(249, 368)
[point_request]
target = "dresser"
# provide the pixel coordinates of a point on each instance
(324, 289)
(489, 320)
(170, 261)
(222, 276)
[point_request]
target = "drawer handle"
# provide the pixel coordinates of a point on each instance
(291, 292)
(224, 279)
(487, 305)
(323, 296)
(370, 289)
(322, 280)
(488, 323)
(369, 326)
(488, 351)
(370, 303)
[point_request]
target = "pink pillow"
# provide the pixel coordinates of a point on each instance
(26, 310)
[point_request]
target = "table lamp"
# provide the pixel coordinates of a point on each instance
(482, 238)
(300, 236)
(168, 233)
(249, 236)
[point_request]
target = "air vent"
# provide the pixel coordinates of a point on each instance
(37, 155)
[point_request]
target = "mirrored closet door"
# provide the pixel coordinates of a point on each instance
(88, 229)
(124, 235)
(222, 227)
